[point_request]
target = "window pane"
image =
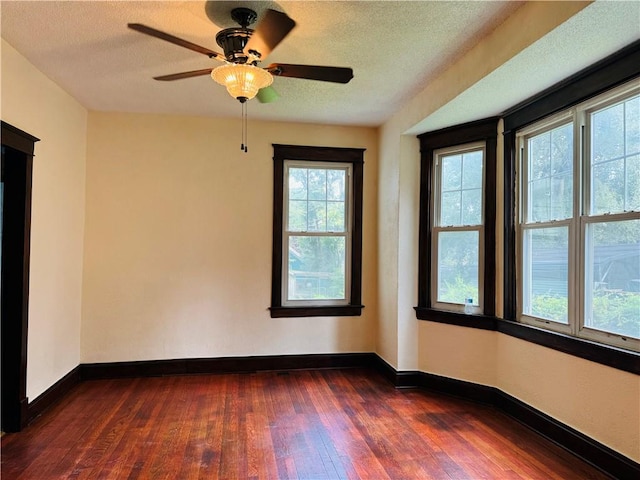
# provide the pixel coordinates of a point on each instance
(613, 277)
(297, 216)
(607, 182)
(450, 209)
(562, 150)
(608, 134)
(317, 184)
(298, 183)
(457, 266)
(317, 217)
(539, 199)
(472, 170)
(615, 145)
(632, 126)
(545, 273)
(550, 167)
(633, 183)
(451, 172)
(316, 268)
(335, 185)
(335, 217)
(472, 207)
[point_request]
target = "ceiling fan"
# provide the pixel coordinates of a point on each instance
(244, 48)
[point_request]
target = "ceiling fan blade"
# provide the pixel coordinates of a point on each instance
(270, 31)
(180, 76)
(138, 27)
(312, 72)
(267, 95)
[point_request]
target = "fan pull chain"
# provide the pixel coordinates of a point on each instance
(246, 128)
(242, 128)
(244, 143)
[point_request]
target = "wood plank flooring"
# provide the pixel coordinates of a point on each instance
(322, 424)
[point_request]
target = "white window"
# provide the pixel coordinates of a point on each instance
(579, 220)
(316, 233)
(457, 230)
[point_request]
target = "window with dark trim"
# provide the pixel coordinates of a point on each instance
(605, 75)
(578, 213)
(317, 231)
(446, 188)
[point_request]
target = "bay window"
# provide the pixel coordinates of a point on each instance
(578, 238)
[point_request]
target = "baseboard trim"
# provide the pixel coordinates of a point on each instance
(192, 366)
(53, 394)
(586, 448)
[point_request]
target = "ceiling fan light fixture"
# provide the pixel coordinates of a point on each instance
(242, 81)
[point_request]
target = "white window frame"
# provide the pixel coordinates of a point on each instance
(578, 293)
(436, 228)
(347, 233)
(546, 125)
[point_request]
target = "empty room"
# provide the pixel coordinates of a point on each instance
(320, 239)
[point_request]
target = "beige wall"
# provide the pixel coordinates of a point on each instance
(458, 352)
(33, 103)
(599, 401)
(178, 241)
(602, 402)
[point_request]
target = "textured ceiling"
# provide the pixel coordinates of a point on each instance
(594, 33)
(394, 47)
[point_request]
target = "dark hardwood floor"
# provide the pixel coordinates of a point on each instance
(322, 424)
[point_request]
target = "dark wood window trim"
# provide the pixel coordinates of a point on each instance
(17, 168)
(355, 156)
(486, 131)
(614, 70)
(617, 358)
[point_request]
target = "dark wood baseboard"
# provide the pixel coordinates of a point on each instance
(584, 447)
(53, 394)
(588, 449)
(458, 388)
(191, 366)
(402, 379)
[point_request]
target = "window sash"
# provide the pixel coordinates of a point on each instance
(587, 282)
(438, 181)
(346, 233)
(587, 110)
(478, 300)
(525, 272)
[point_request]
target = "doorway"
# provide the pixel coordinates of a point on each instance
(15, 201)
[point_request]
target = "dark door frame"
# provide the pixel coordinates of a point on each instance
(17, 166)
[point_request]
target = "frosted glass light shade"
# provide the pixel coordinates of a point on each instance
(242, 81)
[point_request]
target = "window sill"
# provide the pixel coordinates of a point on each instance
(614, 357)
(482, 322)
(314, 311)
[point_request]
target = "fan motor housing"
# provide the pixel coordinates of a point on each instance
(233, 41)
